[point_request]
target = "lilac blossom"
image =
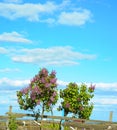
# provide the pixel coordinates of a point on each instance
(54, 94)
(47, 85)
(25, 90)
(43, 80)
(37, 90)
(92, 87)
(53, 73)
(53, 80)
(44, 72)
(67, 105)
(51, 98)
(33, 96)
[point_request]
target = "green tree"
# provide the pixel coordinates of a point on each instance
(76, 100)
(41, 92)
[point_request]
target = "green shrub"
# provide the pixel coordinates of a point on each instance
(12, 122)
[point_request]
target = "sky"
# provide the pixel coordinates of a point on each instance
(76, 38)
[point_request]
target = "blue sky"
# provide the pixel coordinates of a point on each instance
(77, 38)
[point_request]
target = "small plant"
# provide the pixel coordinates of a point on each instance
(12, 122)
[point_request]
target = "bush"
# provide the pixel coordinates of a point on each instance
(76, 100)
(12, 123)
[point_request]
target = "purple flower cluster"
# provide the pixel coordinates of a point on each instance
(33, 96)
(52, 98)
(53, 73)
(92, 88)
(43, 80)
(35, 79)
(53, 80)
(25, 90)
(43, 72)
(42, 85)
(37, 90)
(47, 85)
(67, 105)
(54, 93)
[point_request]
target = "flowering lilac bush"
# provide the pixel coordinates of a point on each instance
(76, 100)
(42, 91)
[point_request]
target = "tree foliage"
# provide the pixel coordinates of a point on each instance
(76, 100)
(42, 91)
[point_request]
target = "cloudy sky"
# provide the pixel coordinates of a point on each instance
(76, 38)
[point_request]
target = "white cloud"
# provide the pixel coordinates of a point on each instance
(75, 18)
(12, 84)
(49, 12)
(3, 50)
(106, 86)
(62, 83)
(3, 102)
(105, 100)
(4, 70)
(8, 98)
(48, 21)
(13, 1)
(13, 37)
(59, 55)
(51, 56)
(14, 11)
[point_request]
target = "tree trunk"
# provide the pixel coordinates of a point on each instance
(42, 115)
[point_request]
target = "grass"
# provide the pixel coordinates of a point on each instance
(30, 125)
